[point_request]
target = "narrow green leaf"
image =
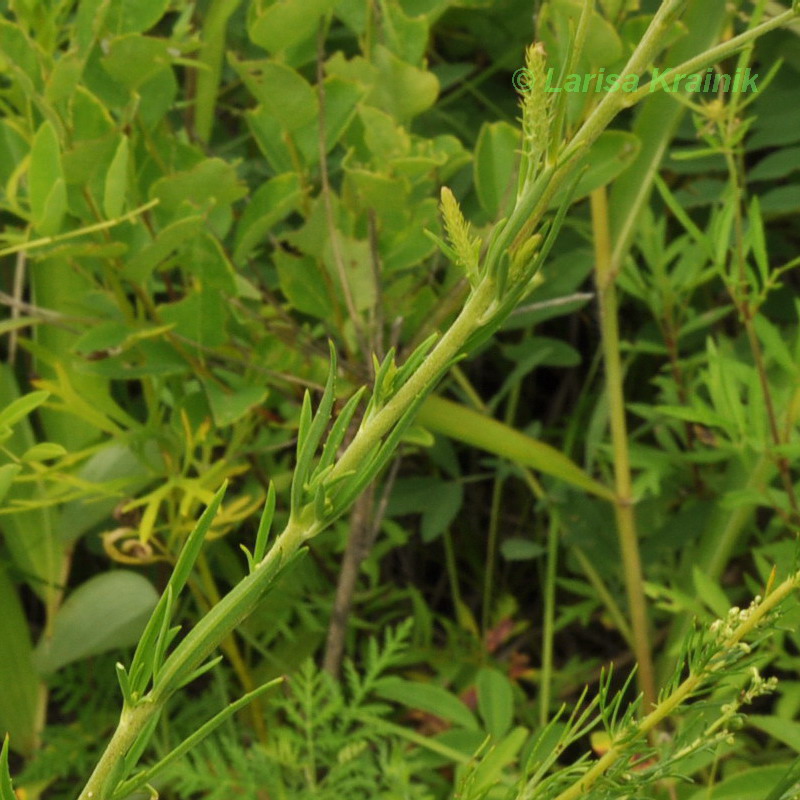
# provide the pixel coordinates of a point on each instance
(124, 684)
(44, 451)
(46, 187)
(320, 503)
(680, 214)
(192, 741)
(791, 777)
(775, 346)
(116, 184)
(18, 322)
(19, 696)
(447, 251)
(201, 670)
(298, 478)
(194, 544)
(757, 240)
(265, 524)
(6, 787)
(162, 642)
(251, 564)
(489, 771)
(382, 375)
(21, 407)
(339, 429)
(145, 656)
(7, 474)
(465, 425)
(313, 435)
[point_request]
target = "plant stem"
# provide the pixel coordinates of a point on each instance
(62, 237)
(359, 544)
(623, 504)
(670, 704)
(711, 56)
(229, 646)
(131, 723)
(548, 626)
(421, 382)
(240, 601)
(491, 556)
(641, 58)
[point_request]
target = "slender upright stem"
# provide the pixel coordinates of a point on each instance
(448, 347)
(131, 723)
(240, 601)
(623, 504)
(549, 618)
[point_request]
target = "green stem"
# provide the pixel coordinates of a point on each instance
(491, 556)
(421, 382)
(623, 504)
(604, 594)
(711, 56)
(240, 601)
(641, 58)
(131, 723)
(549, 626)
(62, 237)
(671, 703)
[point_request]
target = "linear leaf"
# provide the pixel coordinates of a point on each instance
(465, 425)
(265, 524)
(144, 658)
(201, 733)
(6, 787)
(312, 435)
(21, 407)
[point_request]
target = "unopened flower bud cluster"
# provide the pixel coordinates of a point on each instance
(724, 629)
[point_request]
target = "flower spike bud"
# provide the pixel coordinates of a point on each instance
(536, 115)
(523, 262)
(466, 247)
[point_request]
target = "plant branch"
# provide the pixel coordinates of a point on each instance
(620, 748)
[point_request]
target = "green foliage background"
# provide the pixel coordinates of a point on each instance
(196, 196)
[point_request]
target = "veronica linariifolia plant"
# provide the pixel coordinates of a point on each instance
(327, 479)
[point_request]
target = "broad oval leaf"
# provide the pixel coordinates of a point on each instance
(427, 697)
(106, 612)
(495, 701)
